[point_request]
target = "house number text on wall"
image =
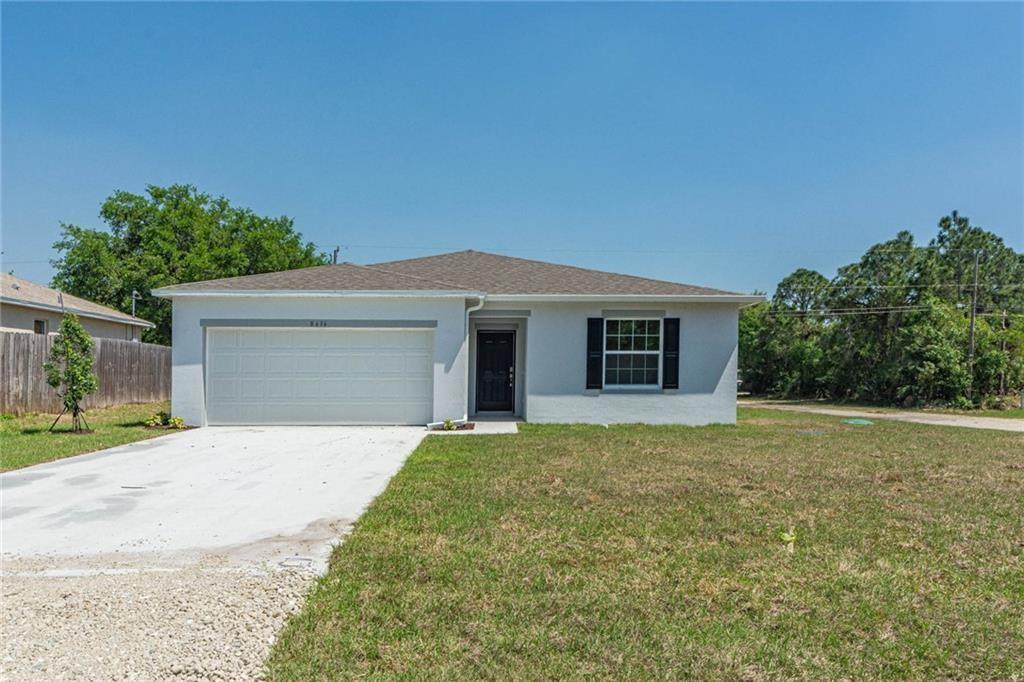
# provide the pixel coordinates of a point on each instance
(318, 323)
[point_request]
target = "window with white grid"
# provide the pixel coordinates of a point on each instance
(632, 352)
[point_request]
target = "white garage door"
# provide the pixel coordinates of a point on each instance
(319, 376)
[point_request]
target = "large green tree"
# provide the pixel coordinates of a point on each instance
(781, 340)
(804, 291)
(167, 236)
(865, 350)
(893, 327)
(1000, 268)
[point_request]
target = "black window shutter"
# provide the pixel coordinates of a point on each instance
(595, 348)
(670, 357)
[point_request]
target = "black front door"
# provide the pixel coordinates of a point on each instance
(495, 371)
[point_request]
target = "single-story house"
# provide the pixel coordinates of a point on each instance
(458, 335)
(33, 308)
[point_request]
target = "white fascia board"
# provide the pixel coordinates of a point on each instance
(130, 321)
(301, 293)
(742, 299)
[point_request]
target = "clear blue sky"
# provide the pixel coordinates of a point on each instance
(717, 144)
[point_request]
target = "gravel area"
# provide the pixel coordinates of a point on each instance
(141, 617)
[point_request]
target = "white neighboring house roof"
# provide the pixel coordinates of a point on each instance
(18, 291)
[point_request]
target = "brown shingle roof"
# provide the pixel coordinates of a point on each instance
(18, 291)
(498, 275)
(461, 271)
(340, 277)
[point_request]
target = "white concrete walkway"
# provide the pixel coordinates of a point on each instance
(934, 418)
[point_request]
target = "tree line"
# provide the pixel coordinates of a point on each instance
(895, 327)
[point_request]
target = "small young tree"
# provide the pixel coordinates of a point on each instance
(69, 369)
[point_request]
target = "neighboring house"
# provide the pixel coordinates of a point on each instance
(29, 307)
(464, 334)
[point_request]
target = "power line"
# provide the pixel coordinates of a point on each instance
(840, 312)
(848, 311)
(903, 286)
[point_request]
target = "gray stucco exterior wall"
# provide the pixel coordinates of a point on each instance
(556, 363)
(188, 338)
(551, 353)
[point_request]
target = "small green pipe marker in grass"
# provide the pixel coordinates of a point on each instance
(789, 538)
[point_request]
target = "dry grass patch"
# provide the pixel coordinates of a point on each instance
(635, 552)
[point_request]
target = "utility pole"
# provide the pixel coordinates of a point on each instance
(974, 312)
(334, 257)
(1002, 347)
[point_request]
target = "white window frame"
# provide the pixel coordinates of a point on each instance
(605, 352)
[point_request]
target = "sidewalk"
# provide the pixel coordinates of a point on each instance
(995, 423)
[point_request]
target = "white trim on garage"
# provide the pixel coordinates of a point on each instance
(275, 374)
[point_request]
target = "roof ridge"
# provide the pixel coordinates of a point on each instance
(417, 277)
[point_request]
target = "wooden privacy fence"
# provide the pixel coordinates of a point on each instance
(128, 372)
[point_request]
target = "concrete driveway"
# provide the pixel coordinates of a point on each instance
(179, 556)
(227, 489)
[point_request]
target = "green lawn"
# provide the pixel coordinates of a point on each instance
(655, 552)
(24, 440)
